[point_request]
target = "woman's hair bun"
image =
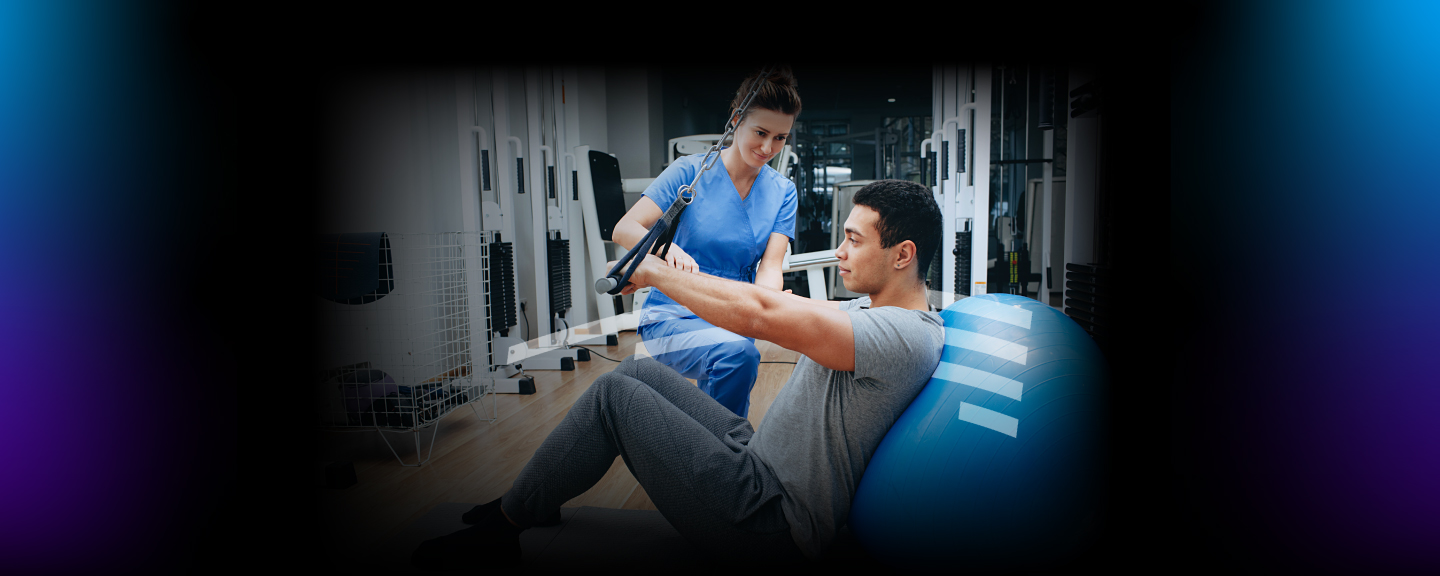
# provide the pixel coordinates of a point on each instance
(782, 76)
(777, 90)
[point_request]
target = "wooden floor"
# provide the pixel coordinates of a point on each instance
(475, 460)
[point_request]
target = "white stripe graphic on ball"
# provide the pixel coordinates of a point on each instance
(980, 379)
(989, 419)
(988, 345)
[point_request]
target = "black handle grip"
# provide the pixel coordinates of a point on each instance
(616, 280)
(960, 153)
(520, 175)
(550, 181)
(485, 170)
(945, 160)
(934, 174)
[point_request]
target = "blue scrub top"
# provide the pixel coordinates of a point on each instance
(725, 235)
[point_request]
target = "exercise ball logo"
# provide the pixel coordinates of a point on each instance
(969, 473)
(997, 348)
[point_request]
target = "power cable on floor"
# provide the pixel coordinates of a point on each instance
(592, 351)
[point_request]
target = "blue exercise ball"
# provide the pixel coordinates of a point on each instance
(997, 463)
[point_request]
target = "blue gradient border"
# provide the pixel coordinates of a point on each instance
(1304, 138)
(115, 405)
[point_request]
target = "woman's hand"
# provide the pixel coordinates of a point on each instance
(679, 259)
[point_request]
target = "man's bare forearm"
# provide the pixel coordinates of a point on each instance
(791, 297)
(832, 304)
(735, 306)
(809, 327)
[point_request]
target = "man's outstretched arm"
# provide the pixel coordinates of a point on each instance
(818, 330)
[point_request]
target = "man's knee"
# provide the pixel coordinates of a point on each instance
(634, 366)
(647, 370)
(609, 386)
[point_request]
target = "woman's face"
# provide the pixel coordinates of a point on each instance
(762, 135)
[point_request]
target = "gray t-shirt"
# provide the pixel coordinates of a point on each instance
(824, 426)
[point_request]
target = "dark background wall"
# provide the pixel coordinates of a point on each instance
(1305, 401)
(698, 95)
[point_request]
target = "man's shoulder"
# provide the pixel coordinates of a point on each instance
(897, 345)
(864, 304)
(905, 315)
(924, 323)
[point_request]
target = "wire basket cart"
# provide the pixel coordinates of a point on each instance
(402, 358)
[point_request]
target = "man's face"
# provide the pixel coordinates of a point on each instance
(864, 265)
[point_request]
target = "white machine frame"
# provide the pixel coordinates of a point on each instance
(962, 98)
(479, 215)
(550, 111)
(610, 323)
(550, 349)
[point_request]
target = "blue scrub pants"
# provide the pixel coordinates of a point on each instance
(723, 364)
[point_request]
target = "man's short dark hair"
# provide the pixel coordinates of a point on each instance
(907, 212)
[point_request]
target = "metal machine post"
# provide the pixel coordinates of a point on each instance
(962, 144)
(546, 215)
(490, 218)
(978, 179)
(568, 120)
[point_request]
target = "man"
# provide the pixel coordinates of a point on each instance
(776, 495)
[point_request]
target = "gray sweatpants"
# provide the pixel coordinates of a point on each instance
(688, 452)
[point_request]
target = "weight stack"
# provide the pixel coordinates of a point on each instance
(1012, 265)
(962, 263)
(502, 285)
(1018, 263)
(1089, 300)
(559, 259)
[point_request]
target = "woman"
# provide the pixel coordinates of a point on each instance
(738, 227)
